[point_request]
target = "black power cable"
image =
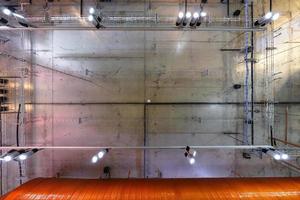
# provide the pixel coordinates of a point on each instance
(18, 142)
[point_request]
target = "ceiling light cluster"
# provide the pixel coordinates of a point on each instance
(186, 17)
(18, 155)
(277, 155)
(95, 18)
(99, 155)
(190, 155)
(266, 19)
(193, 20)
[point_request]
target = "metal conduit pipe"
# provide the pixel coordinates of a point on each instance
(170, 189)
(135, 147)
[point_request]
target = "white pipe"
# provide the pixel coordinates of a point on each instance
(135, 147)
(90, 28)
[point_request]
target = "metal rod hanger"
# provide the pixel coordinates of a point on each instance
(135, 147)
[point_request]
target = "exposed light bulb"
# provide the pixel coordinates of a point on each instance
(22, 157)
(7, 11)
(94, 159)
(284, 156)
(277, 156)
(90, 18)
(180, 15)
(275, 16)
(7, 158)
(91, 10)
(192, 161)
(203, 14)
(196, 15)
(268, 15)
(188, 14)
(101, 154)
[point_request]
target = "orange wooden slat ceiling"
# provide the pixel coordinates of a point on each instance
(162, 189)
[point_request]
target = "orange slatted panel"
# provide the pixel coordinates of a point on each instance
(158, 189)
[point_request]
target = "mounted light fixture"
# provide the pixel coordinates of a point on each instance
(203, 14)
(24, 154)
(275, 16)
(99, 155)
(268, 15)
(194, 19)
(10, 155)
(266, 19)
(179, 18)
(6, 11)
(180, 15)
(284, 156)
(94, 159)
(95, 18)
(190, 155)
(188, 15)
(102, 153)
(277, 155)
(90, 18)
(18, 155)
(92, 10)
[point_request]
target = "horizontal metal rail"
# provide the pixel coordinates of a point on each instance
(89, 28)
(134, 147)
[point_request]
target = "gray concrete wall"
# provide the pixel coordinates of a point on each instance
(93, 88)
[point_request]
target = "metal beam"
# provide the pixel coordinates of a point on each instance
(134, 147)
(157, 103)
(132, 29)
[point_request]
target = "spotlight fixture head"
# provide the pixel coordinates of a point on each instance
(24, 154)
(101, 154)
(203, 14)
(90, 18)
(188, 15)
(22, 157)
(268, 15)
(192, 161)
(91, 10)
(10, 155)
(195, 15)
(284, 156)
(180, 15)
(6, 11)
(94, 159)
(7, 158)
(277, 156)
(275, 16)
